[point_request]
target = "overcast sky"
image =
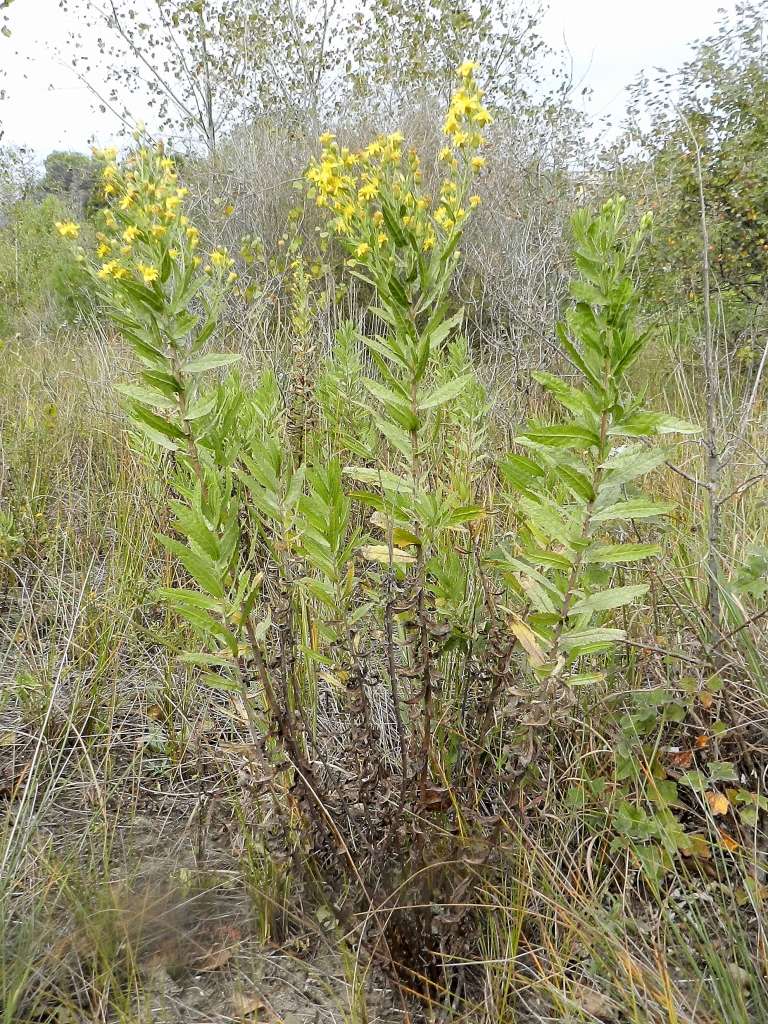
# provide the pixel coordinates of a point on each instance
(609, 42)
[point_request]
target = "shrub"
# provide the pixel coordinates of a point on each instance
(37, 279)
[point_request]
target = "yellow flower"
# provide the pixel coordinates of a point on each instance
(428, 243)
(382, 238)
(67, 228)
(451, 124)
(107, 270)
(362, 250)
(173, 253)
(220, 258)
(148, 274)
(126, 201)
(131, 233)
(474, 202)
(467, 69)
(369, 191)
(327, 138)
(159, 230)
(478, 162)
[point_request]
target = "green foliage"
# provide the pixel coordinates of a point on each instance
(717, 103)
(73, 178)
(342, 396)
(576, 487)
(37, 279)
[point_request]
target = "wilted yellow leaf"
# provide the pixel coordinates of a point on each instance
(728, 842)
(380, 553)
(400, 536)
(718, 803)
(528, 641)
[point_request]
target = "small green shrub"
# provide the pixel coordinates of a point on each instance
(37, 277)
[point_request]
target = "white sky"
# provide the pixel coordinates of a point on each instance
(610, 42)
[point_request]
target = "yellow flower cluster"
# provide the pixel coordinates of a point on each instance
(145, 230)
(221, 261)
(375, 195)
(466, 117)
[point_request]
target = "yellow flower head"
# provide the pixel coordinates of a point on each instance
(362, 250)
(107, 270)
(221, 259)
(369, 191)
(148, 274)
(467, 69)
(67, 228)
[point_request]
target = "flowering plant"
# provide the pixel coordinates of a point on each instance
(380, 210)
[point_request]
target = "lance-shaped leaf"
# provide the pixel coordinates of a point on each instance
(446, 392)
(606, 600)
(617, 554)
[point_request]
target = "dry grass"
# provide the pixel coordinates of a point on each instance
(130, 877)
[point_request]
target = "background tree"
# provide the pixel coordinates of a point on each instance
(204, 67)
(717, 103)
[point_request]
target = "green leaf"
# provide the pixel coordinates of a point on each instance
(202, 569)
(147, 396)
(634, 508)
(590, 641)
(722, 771)
(448, 391)
(159, 424)
(204, 660)
(385, 395)
(520, 472)
(617, 597)
(578, 484)
(562, 435)
(632, 463)
(210, 362)
(380, 477)
(573, 399)
(695, 779)
(615, 554)
(440, 332)
(646, 424)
